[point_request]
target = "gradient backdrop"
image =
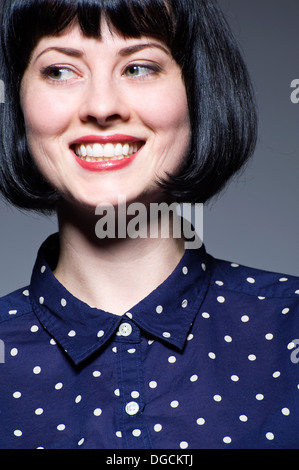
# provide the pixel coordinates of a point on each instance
(255, 221)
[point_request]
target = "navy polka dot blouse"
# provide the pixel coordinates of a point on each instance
(207, 360)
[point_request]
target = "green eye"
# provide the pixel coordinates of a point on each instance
(137, 71)
(58, 73)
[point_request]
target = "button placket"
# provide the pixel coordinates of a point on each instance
(131, 382)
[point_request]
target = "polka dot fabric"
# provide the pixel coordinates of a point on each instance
(203, 362)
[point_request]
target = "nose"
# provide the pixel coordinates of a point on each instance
(104, 103)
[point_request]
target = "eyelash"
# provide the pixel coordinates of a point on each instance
(151, 69)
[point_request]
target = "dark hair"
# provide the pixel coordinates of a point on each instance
(220, 98)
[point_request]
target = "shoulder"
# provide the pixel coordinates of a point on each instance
(252, 281)
(15, 304)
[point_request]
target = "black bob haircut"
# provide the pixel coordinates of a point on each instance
(220, 97)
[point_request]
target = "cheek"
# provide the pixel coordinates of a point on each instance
(44, 116)
(167, 113)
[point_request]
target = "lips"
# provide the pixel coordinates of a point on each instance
(99, 153)
(95, 152)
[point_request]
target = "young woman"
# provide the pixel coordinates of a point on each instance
(125, 341)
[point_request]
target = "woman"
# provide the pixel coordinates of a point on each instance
(125, 341)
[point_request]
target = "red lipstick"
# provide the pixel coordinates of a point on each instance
(109, 163)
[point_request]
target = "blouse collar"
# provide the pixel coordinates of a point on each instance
(166, 313)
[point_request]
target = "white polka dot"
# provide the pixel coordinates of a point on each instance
(53, 342)
(270, 436)
(17, 395)
(291, 345)
(217, 398)
(297, 291)
(212, 355)
(276, 374)
(118, 434)
(185, 270)
(12, 312)
(96, 373)
(153, 384)
(117, 392)
(285, 411)
(81, 442)
(166, 334)
(136, 432)
(260, 297)
(172, 359)
(159, 309)
(245, 318)
(189, 337)
(174, 404)
(205, 315)
(157, 427)
(234, 378)
(252, 357)
(25, 292)
(131, 351)
(194, 378)
(41, 300)
(243, 418)
(200, 421)
(184, 445)
(250, 280)
(114, 349)
(234, 265)
(129, 315)
(150, 341)
(78, 399)
(219, 283)
(39, 411)
(285, 311)
(184, 303)
(37, 370)
(203, 266)
(283, 279)
(18, 433)
(97, 412)
(227, 440)
(43, 269)
(100, 334)
(269, 336)
(228, 339)
(34, 329)
(59, 386)
(61, 427)
(72, 333)
(259, 396)
(14, 352)
(63, 302)
(135, 394)
(221, 299)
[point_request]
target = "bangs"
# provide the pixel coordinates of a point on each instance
(30, 20)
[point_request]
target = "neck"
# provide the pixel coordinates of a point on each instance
(111, 274)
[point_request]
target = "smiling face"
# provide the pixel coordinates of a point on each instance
(105, 117)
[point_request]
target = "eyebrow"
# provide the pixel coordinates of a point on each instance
(124, 52)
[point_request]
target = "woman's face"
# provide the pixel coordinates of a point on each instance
(105, 117)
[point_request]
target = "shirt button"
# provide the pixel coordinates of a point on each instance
(125, 329)
(132, 408)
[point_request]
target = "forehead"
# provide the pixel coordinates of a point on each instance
(73, 42)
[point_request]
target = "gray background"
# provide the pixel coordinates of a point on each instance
(255, 220)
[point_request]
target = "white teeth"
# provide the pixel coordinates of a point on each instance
(98, 152)
(109, 150)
